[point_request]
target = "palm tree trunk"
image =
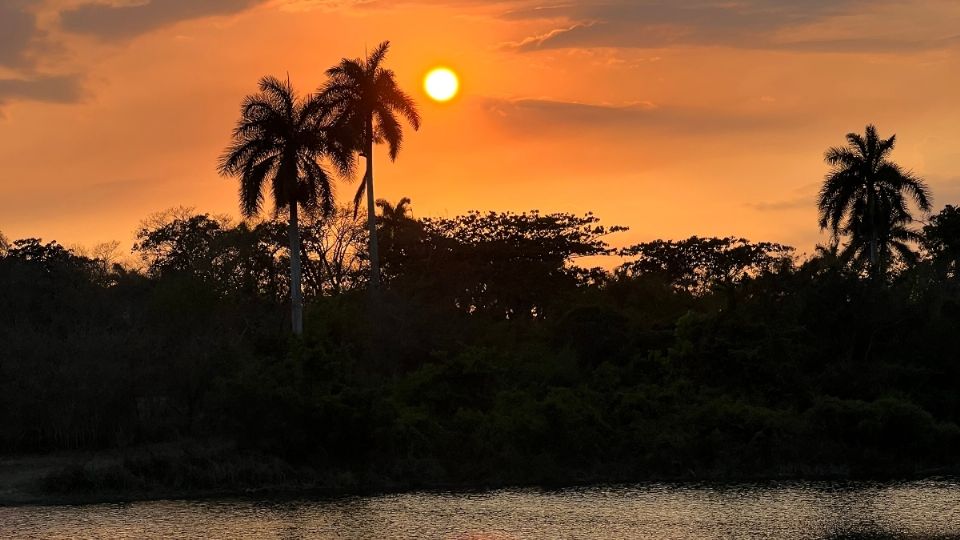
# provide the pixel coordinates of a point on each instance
(874, 247)
(296, 291)
(372, 212)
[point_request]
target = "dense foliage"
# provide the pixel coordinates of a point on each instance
(490, 356)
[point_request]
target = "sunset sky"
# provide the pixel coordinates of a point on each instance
(674, 118)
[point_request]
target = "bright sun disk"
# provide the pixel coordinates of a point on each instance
(441, 84)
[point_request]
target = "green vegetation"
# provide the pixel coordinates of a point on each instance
(488, 357)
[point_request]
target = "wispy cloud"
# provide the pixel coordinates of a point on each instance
(49, 89)
(802, 198)
(793, 203)
(23, 43)
(751, 24)
(108, 21)
(18, 29)
(550, 115)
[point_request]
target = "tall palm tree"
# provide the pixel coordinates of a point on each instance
(366, 101)
(281, 139)
(865, 194)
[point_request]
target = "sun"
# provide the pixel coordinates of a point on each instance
(441, 84)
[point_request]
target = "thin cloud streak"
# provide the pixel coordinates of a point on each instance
(751, 24)
(543, 114)
(804, 202)
(111, 22)
(18, 28)
(47, 89)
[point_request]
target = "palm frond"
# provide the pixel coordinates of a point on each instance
(361, 191)
(316, 187)
(282, 139)
(857, 141)
(841, 157)
(388, 130)
(281, 91)
(836, 198)
(385, 206)
(376, 57)
(251, 185)
(905, 181)
(396, 99)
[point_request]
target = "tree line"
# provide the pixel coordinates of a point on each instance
(491, 356)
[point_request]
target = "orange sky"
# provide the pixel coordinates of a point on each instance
(675, 118)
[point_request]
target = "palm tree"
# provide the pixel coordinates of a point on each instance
(864, 194)
(893, 238)
(281, 138)
(399, 233)
(393, 220)
(366, 101)
(394, 214)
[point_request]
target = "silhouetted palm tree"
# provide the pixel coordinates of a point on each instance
(399, 233)
(392, 219)
(826, 257)
(281, 138)
(863, 195)
(893, 238)
(366, 101)
(392, 213)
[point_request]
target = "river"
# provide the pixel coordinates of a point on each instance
(794, 510)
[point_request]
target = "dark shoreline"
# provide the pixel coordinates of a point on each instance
(35, 491)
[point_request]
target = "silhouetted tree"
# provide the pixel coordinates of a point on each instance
(394, 213)
(228, 259)
(170, 242)
(51, 257)
(281, 139)
(863, 195)
(365, 100)
(393, 220)
(941, 241)
(334, 252)
(506, 264)
(826, 258)
(400, 236)
(698, 265)
(893, 238)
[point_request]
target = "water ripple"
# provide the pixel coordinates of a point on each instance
(795, 511)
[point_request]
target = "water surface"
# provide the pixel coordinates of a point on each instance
(668, 511)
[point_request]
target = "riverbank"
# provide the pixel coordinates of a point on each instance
(152, 472)
(196, 471)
